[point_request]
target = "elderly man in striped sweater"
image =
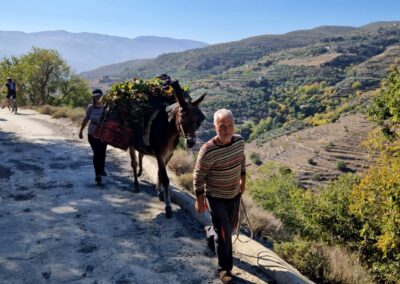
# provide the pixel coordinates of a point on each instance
(219, 180)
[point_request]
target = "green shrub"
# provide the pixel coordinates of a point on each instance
(284, 170)
(356, 85)
(255, 158)
(316, 177)
(341, 166)
(334, 222)
(306, 256)
(277, 192)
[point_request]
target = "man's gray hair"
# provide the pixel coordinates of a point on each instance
(222, 113)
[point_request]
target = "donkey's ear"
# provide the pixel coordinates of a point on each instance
(178, 93)
(199, 100)
(171, 111)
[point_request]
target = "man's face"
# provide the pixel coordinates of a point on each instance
(224, 127)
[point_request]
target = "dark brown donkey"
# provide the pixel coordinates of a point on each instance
(182, 118)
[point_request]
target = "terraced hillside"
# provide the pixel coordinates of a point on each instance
(315, 153)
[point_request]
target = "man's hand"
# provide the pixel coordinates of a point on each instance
(200, 204)
(242, 184)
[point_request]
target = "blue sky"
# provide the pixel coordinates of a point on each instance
(211, 21)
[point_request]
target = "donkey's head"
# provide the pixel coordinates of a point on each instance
(187, 114)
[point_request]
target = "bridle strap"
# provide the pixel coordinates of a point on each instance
(180, 129)
(179, 126)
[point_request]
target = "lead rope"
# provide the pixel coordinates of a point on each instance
(238, 225)
(102, 119)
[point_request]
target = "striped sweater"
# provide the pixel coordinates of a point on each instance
(219, 168)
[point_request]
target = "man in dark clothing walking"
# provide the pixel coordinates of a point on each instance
(219, 179)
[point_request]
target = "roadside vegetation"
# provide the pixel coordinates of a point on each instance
(75, 114)
(347, 231)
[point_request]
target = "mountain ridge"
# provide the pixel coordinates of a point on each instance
(210, 55)
(87, 51)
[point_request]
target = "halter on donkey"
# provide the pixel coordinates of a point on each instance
(180, 119)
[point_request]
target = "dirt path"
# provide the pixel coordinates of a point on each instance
(57, 226)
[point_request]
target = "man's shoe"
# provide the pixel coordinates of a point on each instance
(210, 233)
(103, 173)
(225, 276)
(98, 179)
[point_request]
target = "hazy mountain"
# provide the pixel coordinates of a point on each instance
(217, 58)
(86, 51)
(115, 69)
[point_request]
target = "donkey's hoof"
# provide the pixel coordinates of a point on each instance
(136, 189)
(168, 212)
(161, 196)
(139, 173)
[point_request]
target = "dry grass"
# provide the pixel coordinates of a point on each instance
(186, 181)
(345, 267)
(263, 223)
(61, 112)
(46, 109)
(182, 162)
(74, 114)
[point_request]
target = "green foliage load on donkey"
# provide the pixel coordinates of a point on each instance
(132, 101)
(131, 106)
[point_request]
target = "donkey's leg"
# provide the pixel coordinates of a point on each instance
(160, 192)
(134, 167)
(163, 177)
(140, 164)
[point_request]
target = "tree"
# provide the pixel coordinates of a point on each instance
(375, 201)
(44, 70)
(356, 85)
(246, 129)
(386, 106)
(73, 92)
(43, 77)
(263, 126)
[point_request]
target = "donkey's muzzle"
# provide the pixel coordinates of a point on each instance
(190, 142)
